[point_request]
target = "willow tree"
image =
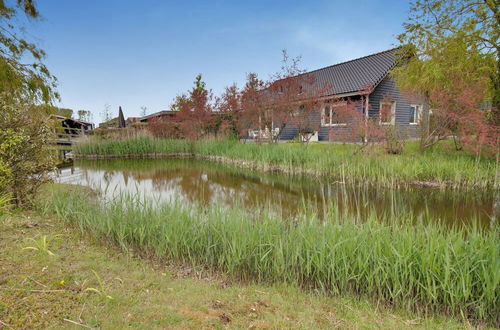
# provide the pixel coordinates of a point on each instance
(22, 71)
(25, 82)
(451, 47)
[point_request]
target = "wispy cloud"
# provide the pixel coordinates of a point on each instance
(337, 45)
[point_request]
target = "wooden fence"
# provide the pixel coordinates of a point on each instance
(67, 135)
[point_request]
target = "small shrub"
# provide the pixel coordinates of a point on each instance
(394, 140)
(165, 129)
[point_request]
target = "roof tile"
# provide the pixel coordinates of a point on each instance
(355, 75)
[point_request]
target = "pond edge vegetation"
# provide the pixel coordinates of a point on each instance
(423, 267)
(433, 168)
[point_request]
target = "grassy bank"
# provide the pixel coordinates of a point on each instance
(90, 282)
(424, 267)
(439, 166)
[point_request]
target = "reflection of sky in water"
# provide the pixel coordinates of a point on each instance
(195, 181)
(114, 183)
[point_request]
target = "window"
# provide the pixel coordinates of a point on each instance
(415, 113)
(387, 112)
(330, 117)
(326, 118)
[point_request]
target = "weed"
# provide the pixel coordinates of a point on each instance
(100, 291)
(41, 245)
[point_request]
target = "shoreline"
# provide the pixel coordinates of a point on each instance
(249, 165)
(227, 242)
(135, 291)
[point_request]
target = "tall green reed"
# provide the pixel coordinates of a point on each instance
(438, 166)
(418, 265)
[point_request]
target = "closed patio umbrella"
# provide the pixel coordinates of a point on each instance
(121, 119)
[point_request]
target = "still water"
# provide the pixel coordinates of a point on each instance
(198, 181)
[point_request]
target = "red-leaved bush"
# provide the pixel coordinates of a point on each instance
(459, 112)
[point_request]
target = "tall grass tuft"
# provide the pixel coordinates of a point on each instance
(438, 166)
(420, 266)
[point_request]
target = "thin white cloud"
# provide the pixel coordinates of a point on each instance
(337, 45)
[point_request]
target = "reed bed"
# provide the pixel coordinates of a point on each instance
(420, 266)
(437, 167)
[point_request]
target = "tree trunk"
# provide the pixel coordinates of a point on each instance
(496, 96)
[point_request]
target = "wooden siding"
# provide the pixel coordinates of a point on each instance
(386, 90)
(340, 133)
(326, 133)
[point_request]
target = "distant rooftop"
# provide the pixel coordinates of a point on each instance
(156, 114)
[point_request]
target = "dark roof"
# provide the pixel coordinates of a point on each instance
(81, 122)
(158, 114)
(355, 75)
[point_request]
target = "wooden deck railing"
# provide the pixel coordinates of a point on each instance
(62, 137)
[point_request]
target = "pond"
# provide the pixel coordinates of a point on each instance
(191, 180)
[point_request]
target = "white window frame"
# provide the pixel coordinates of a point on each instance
(393, 113)
(332, 106)
(418, 113)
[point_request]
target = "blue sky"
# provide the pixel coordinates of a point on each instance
(143, 53)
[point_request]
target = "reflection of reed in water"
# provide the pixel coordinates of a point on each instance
(205, 182)
(496, 207)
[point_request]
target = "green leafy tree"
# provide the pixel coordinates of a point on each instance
(25, 128)
(84, 115)
(447, 38)
(25, 160)
(22, 72)
(65, 112)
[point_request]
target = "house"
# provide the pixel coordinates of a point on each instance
(168, 116)
(365, 81)
(68, 128)
(132, 120)
(160, 115)
(72, 126)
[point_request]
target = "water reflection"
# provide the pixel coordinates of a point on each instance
(206, 182)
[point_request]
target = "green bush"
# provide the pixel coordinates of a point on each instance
(25, 158)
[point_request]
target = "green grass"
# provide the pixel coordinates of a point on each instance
(42, 291)
(440, 166)
(420, 267)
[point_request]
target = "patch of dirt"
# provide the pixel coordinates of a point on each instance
(225, 318)
(429, 184)
(217, 304)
